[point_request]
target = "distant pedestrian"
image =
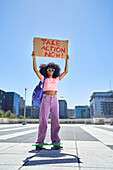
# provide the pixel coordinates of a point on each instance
(49, 100)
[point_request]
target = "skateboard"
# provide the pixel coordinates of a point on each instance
(42, 144)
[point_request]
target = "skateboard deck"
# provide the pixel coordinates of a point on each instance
(41, 144)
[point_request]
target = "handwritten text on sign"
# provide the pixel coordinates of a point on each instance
(50, 47)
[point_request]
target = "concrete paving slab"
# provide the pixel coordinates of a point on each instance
(102, 135)
(94, 168)
(65, 157)
(10, 129)
(13, 155)
(68, 144)
(9, 125)
(91, 145)
(49, 168)
(4, 137)
(53, 157)
(9, 167)
(4, 146)
(11, 159)
(22, 152)
(106, 128)
(66, 133)
(82, 135)
(21, 148)
(95, 155)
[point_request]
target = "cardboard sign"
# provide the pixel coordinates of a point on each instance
(50, 47)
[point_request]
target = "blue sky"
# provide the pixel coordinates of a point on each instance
(87, 24)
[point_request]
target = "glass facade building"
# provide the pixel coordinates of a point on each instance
(2, 99)
(35, 104)
(12, 102)
(82, 111)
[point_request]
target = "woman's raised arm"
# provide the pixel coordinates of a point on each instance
(35, 67)
(66, 69)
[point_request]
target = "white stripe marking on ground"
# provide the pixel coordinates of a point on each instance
(8, 136)
(15, 128)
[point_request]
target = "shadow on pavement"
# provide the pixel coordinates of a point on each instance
(53, 157)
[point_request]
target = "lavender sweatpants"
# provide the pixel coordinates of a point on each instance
(49, 104)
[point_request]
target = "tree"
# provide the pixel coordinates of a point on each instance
(21, 117)
(1, 113)
(28, 117)
(13, 116)
(10, 115)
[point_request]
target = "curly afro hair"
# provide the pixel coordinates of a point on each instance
(43, 69)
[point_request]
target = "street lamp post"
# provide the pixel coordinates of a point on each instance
(24, 123)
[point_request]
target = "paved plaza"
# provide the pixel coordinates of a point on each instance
(85, 147)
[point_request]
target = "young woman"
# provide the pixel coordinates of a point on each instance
(49, 100)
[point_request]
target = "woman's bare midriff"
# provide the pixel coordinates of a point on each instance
(50, 92)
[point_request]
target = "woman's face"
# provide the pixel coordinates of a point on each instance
(50, 71)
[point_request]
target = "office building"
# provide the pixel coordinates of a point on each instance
(82, 111)
(70, 113)
(22, 102)
(2, 100)
(35, 112)
(28, 111)
(101, 104)
(62, 108)
(35, 104)
(12, 102)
